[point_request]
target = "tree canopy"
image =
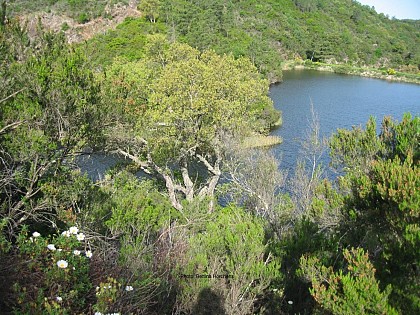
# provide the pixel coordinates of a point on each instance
(178, 108)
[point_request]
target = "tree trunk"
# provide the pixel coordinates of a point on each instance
(188, 184)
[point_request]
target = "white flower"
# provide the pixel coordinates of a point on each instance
(60, 249)
(80, 237)
(97, 288)
(129, 288)
(290, 302)
(73, 230)
(98, 313)
(66, 233)
(59, 298)
(36, 234)
(31, 239)
(62, 264)
(76, 252)
(88, 254)
(51, 247)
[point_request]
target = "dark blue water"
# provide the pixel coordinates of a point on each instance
(340, 101)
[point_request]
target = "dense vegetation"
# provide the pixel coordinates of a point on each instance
(212, 227)
(271, 31)
(80, 10)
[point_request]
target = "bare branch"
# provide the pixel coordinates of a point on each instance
(11, 95)
(143, 165)
(11, 126)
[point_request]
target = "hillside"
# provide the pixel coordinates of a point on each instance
(268, 32)
(213, 226)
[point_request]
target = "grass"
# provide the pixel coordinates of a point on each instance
(261, 141)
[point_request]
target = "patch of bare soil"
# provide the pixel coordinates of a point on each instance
(76, 32)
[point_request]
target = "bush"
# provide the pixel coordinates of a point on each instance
(83, 18)
(52, 273)
(65, 27)
(391, 71)
(227, 259)
(354, 292)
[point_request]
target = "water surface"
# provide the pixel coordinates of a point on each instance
(340, 101)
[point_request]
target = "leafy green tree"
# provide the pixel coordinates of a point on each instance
(150, 8)
(50, 112)
(190, 104)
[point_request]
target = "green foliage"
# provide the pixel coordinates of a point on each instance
(65, 27)
(353, 292)
(229, 256)
(127, 40)
(83, 18)
(181, 104)
(50, 110)
(391, 71)
(174, 110)
(52, 273)
(354, 149)
(139, 213)
(382, 209)
(107, 293)
(150, 9)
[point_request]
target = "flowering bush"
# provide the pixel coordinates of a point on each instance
(54, 272)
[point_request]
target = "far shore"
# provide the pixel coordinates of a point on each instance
(388, 74)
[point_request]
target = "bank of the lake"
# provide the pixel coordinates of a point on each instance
(341, 101)
(388, 74)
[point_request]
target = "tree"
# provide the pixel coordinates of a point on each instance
(50, 112)
(150, 9)
(190, 104)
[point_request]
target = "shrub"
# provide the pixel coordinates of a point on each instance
(391, 71)
(65, 27)
(353, 292)
(227, 260)
(52, 272)
(83, 18)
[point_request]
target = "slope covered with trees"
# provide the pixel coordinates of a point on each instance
(271, 31)
(211, 226)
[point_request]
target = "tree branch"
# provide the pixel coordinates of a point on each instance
(11, 126)
(11, 95)
(143, 165)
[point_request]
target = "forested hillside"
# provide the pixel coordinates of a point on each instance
(268, 32)
(271, 31)
(211, 225)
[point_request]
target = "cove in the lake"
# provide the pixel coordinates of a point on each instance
(340, 101)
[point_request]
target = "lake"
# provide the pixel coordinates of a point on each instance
(340, 101)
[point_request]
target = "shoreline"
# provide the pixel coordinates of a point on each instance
(383, 74)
